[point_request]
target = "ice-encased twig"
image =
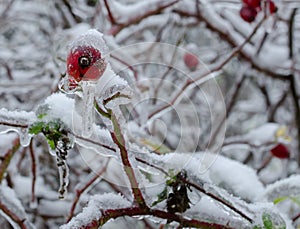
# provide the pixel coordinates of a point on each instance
(88, 89)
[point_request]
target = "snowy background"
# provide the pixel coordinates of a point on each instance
(231, 121)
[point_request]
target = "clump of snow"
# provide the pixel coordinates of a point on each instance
(221, 171)
(93, 210)
(285, 187)
(16, 117)
(262, 134)
(59, 106)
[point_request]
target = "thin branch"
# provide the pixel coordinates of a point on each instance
(117, 28)
(13, 216)
(294, 94)
(119, 140)
(296, 217)
(229, 39)
(237, 87)
(14, 125)
(84, 188)
(33, 170)
(93, 142)
(196, 186)
(8, 156)
(135, 74)
(291, 33)
(217, 68)
(110, 15)
(272, 111)
(137, 211)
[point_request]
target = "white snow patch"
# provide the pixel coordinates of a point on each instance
(61, 107)
(93, 210)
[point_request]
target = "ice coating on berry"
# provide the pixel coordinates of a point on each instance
(280, 151)
(272, 7)
(88, 57)
(191, 61)
(92, 38)
(252, 3)
(248, 13)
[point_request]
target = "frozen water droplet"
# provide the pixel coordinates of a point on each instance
(68, 85)
(51, 151)
(25, 137)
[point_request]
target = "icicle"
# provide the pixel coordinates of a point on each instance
(63, 169)
(88, 88)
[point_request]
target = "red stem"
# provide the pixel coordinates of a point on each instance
(110, 15)
(33, 169)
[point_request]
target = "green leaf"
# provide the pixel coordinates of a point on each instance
(280, 199)
(36, 127)
(161, 197)
(257, 227)
(267, 221)
(51, 144)
(41, 116)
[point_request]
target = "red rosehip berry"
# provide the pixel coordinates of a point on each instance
(191, 61)
(272, 7)
(252, 3)
(280, 151)
(248, 13)
(85, 63)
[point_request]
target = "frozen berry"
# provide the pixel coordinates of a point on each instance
(252, 3)
(272, 7)
(248, 13)
(280, 151)
(85, 63)
(191, 61)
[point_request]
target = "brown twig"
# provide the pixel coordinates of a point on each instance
(117, 28)
(217, 68)
(33, 170)
(14, 125)
(137, 211)
(13, 216)
(84, 188)
(296, 217)
(265, 163)
(8, 69)
(119, 140)
(232, 99)
(272, 111)
(110, 15)
(224, 202)
(196, 186)
(230, 40)
(8, 156)
(135, 74)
